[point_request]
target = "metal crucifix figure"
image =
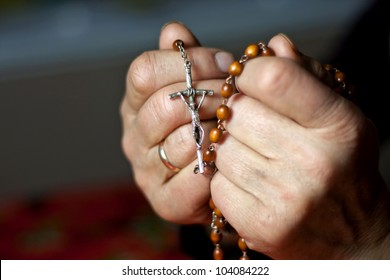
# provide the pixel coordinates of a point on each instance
(189, 98)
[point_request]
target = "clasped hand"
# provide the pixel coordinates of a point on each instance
(297, 168)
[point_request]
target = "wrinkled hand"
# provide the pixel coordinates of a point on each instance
(297, 169)
(298, 173)
(149, 117)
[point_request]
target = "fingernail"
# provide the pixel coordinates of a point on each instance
(224, 59)
(293, 47)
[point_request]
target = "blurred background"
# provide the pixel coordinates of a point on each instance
(62, 76)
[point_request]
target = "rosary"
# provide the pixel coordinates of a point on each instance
(206, 164)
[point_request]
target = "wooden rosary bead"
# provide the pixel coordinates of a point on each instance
(218, 253)
(341, 88)
(244, 257)
(227, 90)
(209, 155)
(242, 244)
(235, 68)
(218, 212)
(223, 112)
(219, 223)
(252, 51)
(215, 135)
(339, 77)
(176, 44)
(215, 236)
(210, 168)
(267, 52)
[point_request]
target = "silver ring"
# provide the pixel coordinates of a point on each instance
(164, 158)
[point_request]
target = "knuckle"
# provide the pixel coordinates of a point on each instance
(179, 144)
(127, 119)
(127, 146)
(141, 74)
(275, 76)
(184, 137)
(155, 112)
(124, 110)
(322, 167)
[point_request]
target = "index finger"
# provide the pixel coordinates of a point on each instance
(154, 70)
(173, 31)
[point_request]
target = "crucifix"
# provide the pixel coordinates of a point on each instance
(189, 98)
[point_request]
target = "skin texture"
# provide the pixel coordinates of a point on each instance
(297, 169)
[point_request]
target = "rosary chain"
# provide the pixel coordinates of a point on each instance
(180, 45)
(219, 223)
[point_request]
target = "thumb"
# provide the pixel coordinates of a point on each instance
(288, 89)
(173, 31)
(283, 46)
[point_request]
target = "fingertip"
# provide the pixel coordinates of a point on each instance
(283, 46)
(175, 30)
